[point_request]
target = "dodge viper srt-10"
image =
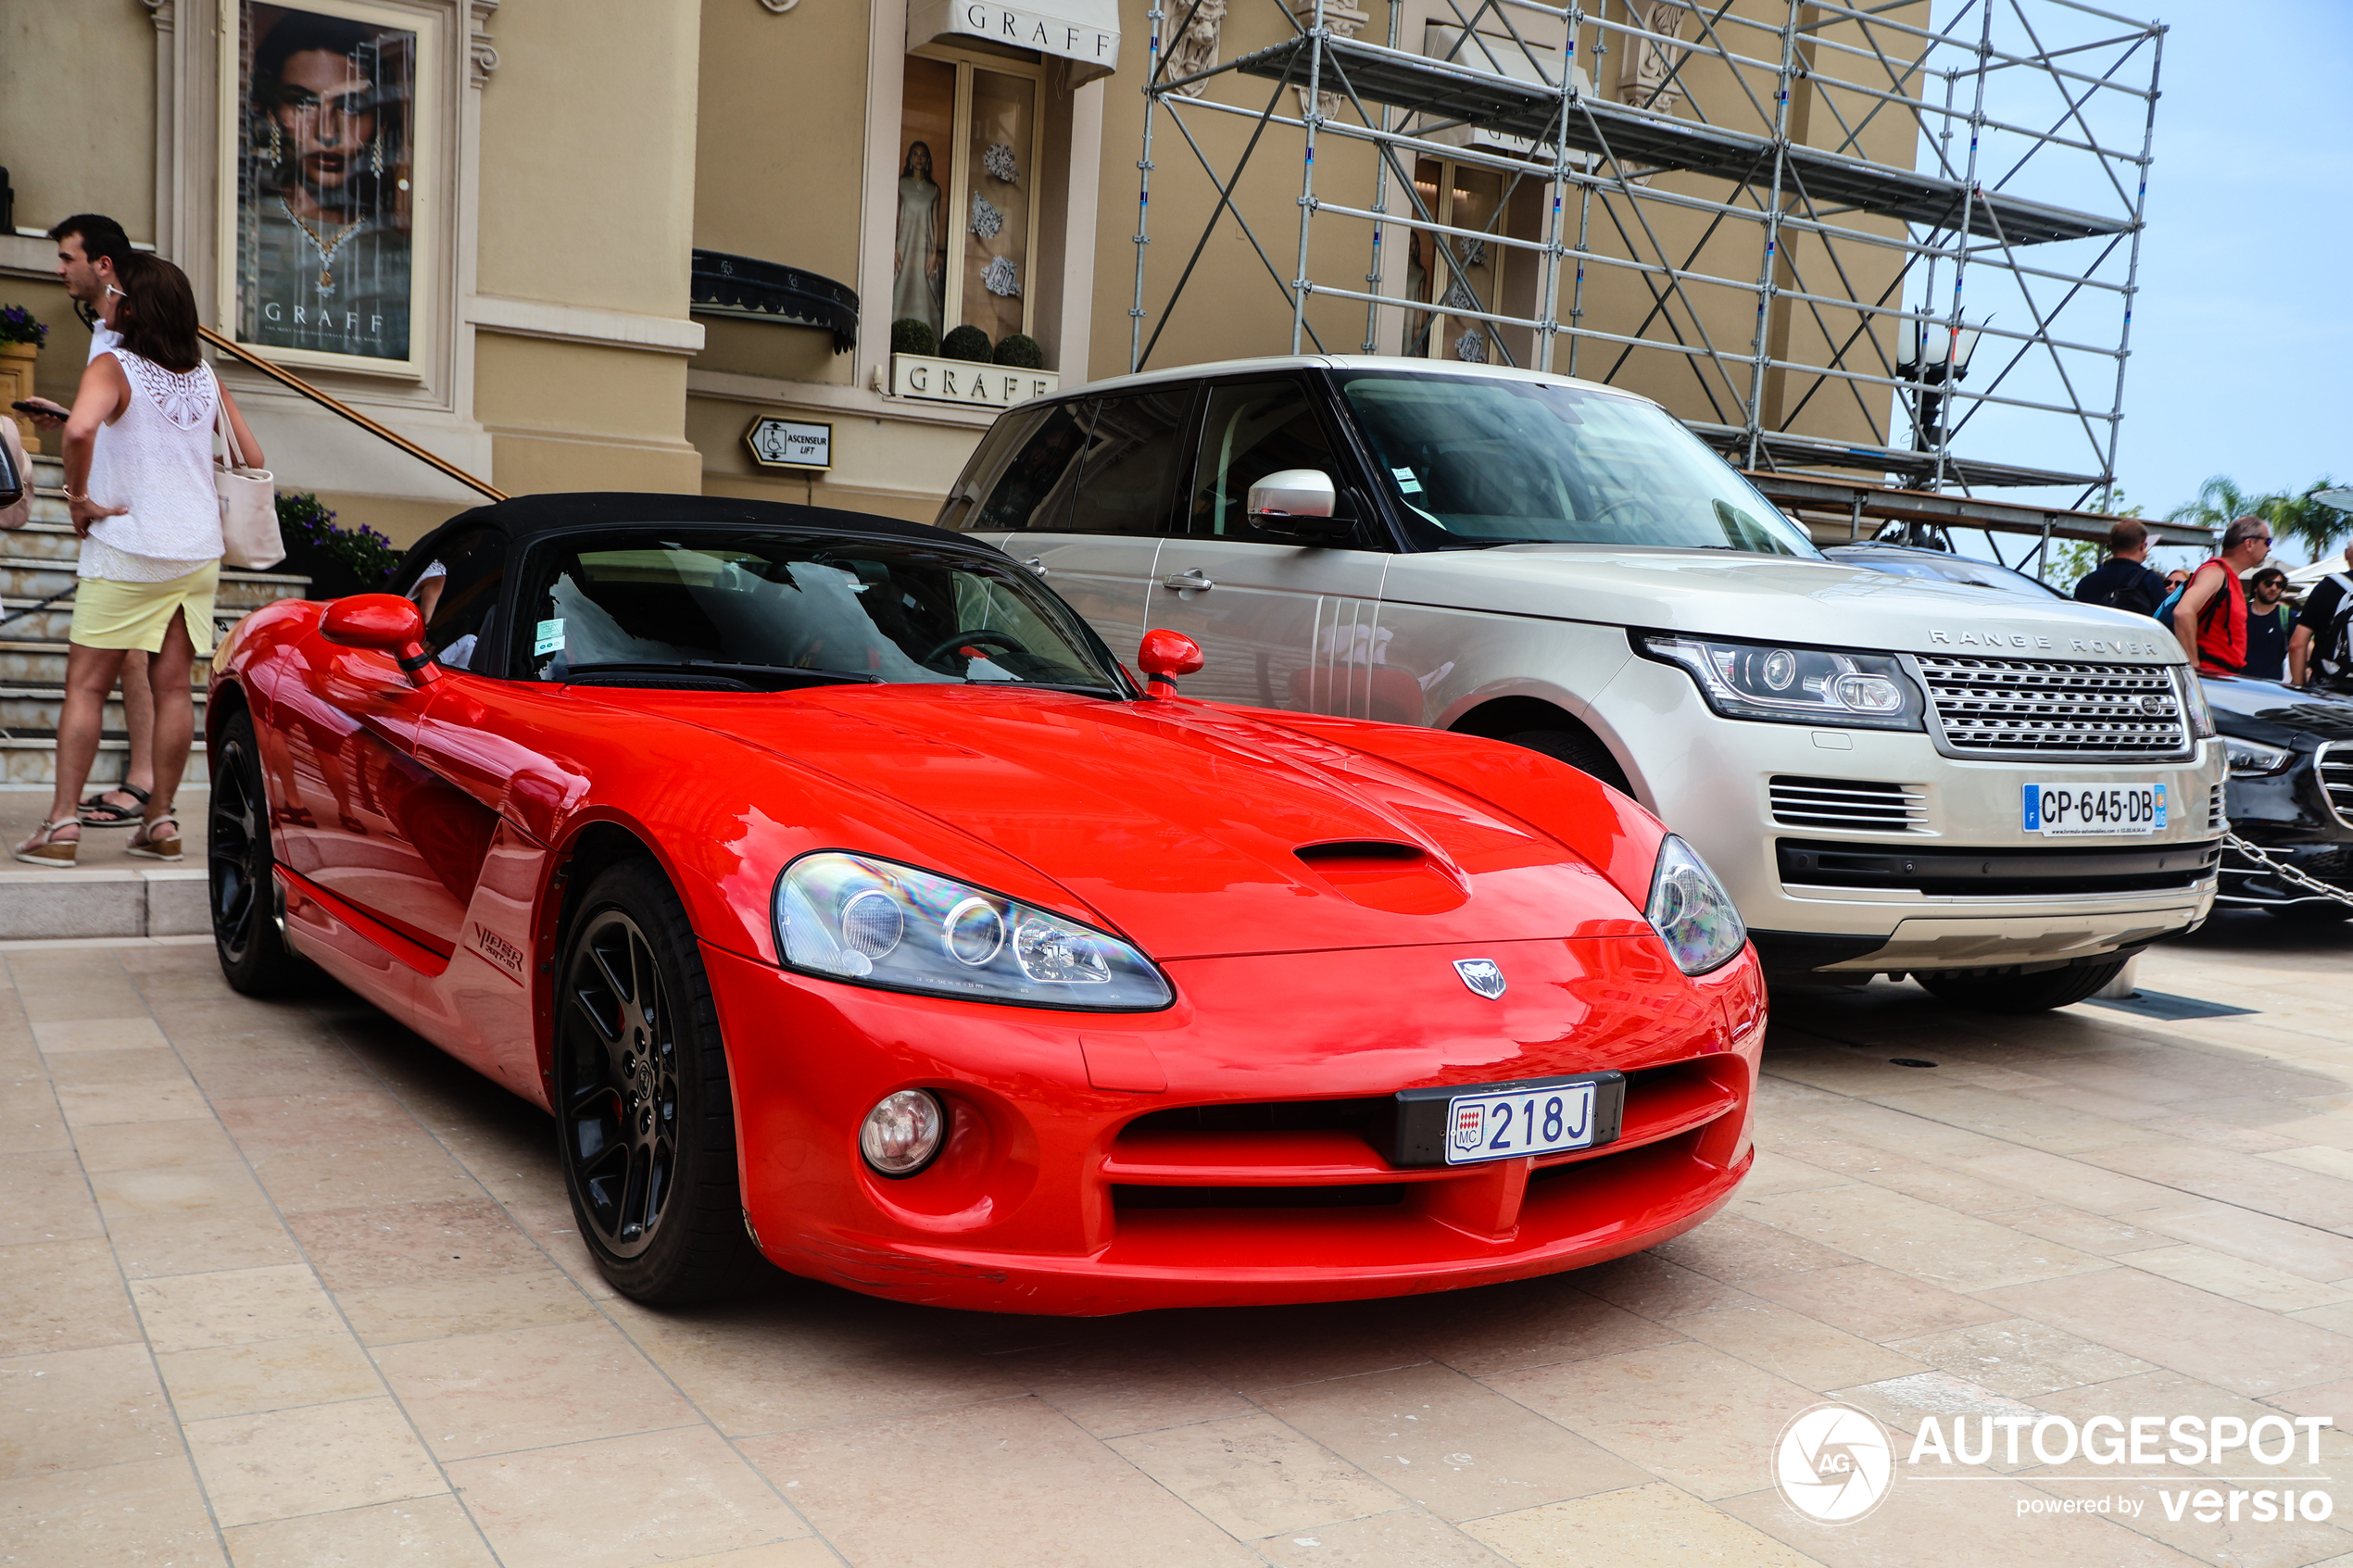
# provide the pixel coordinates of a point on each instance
(849, 904)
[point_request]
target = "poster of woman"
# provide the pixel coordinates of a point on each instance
(324, 190)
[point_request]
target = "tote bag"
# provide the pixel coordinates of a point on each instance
(249, 536)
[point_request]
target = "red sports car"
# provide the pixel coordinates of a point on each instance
(849, 904)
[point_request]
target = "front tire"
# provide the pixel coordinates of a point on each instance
(2038, 992)
(240, 872)
(645, 1123)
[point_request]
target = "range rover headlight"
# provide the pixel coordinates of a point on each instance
(2253, 759)
(1784, 684)
(1691, 912)
(2193, 702)
(875, 923)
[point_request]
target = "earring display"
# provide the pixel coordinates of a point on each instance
(987, 220)
(999, 162)
(1000, 278)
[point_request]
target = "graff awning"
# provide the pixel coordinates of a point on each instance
(769, 290)
(1085, 32)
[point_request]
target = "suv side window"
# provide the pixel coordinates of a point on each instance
(1035, 492)
(987, 464)
(1131, 459)
(1250, 429)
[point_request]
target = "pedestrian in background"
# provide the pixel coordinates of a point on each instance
(2320, 651)
(19, 513)
(2210, 616)
(92, 249)
(2124, 580)
(138, 460)
(2267, 626)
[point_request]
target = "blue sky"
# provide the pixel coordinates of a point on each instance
(2242, 344)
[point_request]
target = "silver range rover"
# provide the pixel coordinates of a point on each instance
(2005, 798)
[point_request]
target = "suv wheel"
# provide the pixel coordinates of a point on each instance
(2038, 992)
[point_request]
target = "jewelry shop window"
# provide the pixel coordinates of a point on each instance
(332, 109)
(968, 170)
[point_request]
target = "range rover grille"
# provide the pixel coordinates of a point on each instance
(1862, 805)
(2336, 763)
(2044, 708)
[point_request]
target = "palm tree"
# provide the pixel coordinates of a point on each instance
(2311, 523)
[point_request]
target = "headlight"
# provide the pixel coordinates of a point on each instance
(1691, 912)
(1795, 686)
(2193, 702)
(2253, 759)
(851, 916)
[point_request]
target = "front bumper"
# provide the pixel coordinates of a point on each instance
(1249, 1179)
(1712, 780)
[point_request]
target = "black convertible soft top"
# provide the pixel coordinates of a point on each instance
(526, 517)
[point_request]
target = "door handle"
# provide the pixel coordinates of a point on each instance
(1035, 565)
(1189, 582)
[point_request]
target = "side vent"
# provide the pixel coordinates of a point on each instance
(1856, 804)
(1346, 851)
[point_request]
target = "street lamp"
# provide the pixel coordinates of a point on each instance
(1933, 355)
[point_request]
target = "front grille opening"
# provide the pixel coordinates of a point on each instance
(2030, 707)
(1996, 873)
(1381, 1195)
(1371, 1116)
(2336, 764)
(1864, 804)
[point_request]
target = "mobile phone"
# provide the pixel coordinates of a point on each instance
(23, 407)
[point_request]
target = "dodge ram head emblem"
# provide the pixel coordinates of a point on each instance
(1481, 975)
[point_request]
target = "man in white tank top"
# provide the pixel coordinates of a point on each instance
(86, 267)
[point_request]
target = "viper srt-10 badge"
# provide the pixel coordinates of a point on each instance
(1482, 976)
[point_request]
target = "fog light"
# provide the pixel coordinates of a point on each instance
(903, 1132)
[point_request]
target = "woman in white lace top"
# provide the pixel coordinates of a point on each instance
(138, 458)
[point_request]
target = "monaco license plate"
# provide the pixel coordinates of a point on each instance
(2095, 810)
(1465, 1123)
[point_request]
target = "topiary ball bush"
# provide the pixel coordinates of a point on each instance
(965, 342)
(912, 335)
(1021, 351)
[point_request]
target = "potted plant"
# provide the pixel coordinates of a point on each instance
(337, 560)
(20, 339)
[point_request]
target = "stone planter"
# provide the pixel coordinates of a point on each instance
(15, 385)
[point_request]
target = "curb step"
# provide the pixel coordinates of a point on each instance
(166, 901)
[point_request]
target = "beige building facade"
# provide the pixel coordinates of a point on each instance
(573, 245)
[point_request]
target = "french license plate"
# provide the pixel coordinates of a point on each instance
(2095, 810)
(1524, 1122)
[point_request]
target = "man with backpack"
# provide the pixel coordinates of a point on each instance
(2210, 616)
(2268, 621)
(2317, 651)
(2124, 580)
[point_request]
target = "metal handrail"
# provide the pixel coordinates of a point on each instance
(336, 406)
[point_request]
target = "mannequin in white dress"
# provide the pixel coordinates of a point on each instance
(919, 269)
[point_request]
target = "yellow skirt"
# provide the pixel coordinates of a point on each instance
(135, 615)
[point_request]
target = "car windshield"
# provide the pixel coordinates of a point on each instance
(743, 610)
(1483, 462)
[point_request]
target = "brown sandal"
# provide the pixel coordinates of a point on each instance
(46, 849)
(152, 842)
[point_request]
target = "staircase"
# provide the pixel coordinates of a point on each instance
(36, 561)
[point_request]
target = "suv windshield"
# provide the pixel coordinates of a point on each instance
(1481, 462)
(740, 610)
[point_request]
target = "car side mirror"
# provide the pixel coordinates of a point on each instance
(384, 622)
(1301, 504)
(1164, 655)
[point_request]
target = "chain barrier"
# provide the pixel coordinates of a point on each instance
(2285, 872)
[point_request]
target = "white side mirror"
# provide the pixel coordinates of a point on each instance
(1293, 493)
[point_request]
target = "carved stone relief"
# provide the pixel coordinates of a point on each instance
(1195, 49)
(1647, 66)
(1345, 21)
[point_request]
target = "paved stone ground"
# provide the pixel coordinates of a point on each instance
(278, 1285)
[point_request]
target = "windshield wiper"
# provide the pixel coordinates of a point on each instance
(749, 676)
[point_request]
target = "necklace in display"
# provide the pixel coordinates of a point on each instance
(326, 251)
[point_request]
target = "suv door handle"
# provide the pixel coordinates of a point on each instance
(1189, 582)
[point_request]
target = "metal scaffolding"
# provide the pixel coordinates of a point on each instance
(1881, 186)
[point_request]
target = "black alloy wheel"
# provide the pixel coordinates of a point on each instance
(241, 885)
(642, 1108)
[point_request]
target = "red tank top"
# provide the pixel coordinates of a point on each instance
(2222, 625)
